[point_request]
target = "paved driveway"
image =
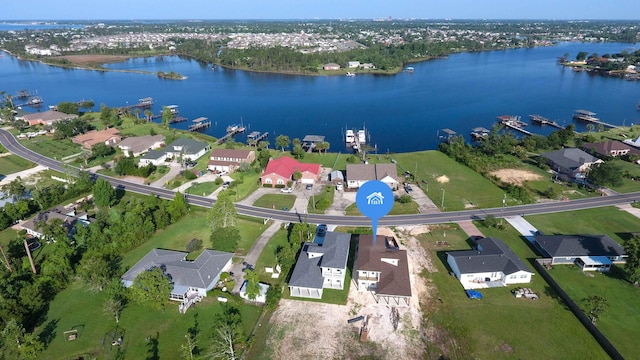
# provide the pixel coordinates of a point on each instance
(424, 202)
(522, 226)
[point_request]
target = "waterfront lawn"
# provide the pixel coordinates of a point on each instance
(55, 149)
(464, 185)
(397, 209)
(275, 201)
(202, 189)
(245, 183)
(499, 326)
(633, 170)
(268, 257)
(12, 164)
(620, 323)
(605, 220)
(322, 201)
(77, 308)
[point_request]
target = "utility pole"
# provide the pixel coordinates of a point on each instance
(504, 203)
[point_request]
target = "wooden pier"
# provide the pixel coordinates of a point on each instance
(514, 123)
(479, 133)
(447, 134)
(177, 119)
(538, 119)
(144, 103)
(255, 137)
(517, 128)
(199, 124)
(230, 133)
(588, 116)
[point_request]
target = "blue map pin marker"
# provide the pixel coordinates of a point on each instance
(374, 200)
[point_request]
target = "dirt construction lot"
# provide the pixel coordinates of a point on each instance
(515, 176)
(307, 330)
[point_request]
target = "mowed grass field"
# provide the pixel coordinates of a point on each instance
(12, 164)
(501, 326)
(621, 321)
(55, 149)
(462, 188)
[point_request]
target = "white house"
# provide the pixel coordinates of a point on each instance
(228, 160)
(191, 279)
(492, 264)
(155, 157)
(138, 145)
(321, 264)
(358, 174)
(353, 64)
(188, 149)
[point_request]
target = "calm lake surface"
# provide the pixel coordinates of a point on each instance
(401, 113)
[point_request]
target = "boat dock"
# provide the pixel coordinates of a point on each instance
(255, 137)
(199, 124)
(447, 134)
(514, 123)
(144, 103)
(232, 131)
(309, 142)
(479, 133)
(538, 119)
(588, 116)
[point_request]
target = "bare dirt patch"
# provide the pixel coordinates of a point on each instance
(515, 176)
(442, 179)
(305, 330)
(93, 59)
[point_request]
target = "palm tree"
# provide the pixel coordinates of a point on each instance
(590, 127)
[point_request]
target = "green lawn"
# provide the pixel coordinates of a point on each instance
(463, 188)
(320, 202)
(6, 236)
(145, 331)
(397, 209)
(621, 321)
(55, 149)
(606, 220)
(500, 326)
(275, 201)
(268, 257)
(250, 228)
(245, 182)
(202, 189)
(628, 185)
(12, 164)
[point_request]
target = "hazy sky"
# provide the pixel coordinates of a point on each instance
(323, 9)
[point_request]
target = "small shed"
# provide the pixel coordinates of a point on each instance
(336, 176)
(262, 297)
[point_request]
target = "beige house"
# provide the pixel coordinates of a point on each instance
(228, 160)
(138, 145)
(358, 174)
(110, 136)
(331, 67)
(48, 117)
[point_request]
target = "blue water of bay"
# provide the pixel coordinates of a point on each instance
(402, 112)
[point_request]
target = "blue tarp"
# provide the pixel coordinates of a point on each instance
(472, 294)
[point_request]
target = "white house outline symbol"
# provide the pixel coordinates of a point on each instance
(375, 198)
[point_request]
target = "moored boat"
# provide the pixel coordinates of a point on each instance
(349, 137)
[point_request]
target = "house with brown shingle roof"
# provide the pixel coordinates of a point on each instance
(358, 174)
(610, 148)
(48, 117)
(110, 136)
(138, 145)
(383, 269)
(229, 159)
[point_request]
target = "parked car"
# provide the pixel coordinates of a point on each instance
(408, 188)
(339, 187)
(286, 190)
(321, 230)
(309, 186)
(226, 184)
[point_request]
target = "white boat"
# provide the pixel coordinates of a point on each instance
(349, 137)
(350, 74)
(362, 136)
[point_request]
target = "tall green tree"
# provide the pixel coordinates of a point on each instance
(632, 264)
(68, 108)
(103, 193)
(21, 344)
(151, 287)
(596, 306)
(223, 213)
(283, 142)
(178, 207)
(167, 115)
(15, 189)
(607, 173)
(253, 285)
(95, 270)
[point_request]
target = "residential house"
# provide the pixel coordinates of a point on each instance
(48, 117)
(155, 157)
(109, 136)
(570, 163)
(321, 264)
(138, 145)
(353, 64)
(228, 160)
(589, 252)
(191, 279)
(383, 269)
(491, 264)
(610, 148)
(368, 66)
(331, 67)
(358, 174)
(187, 149)
(280, 171)
(69, 218)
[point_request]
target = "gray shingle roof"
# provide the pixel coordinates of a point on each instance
(189, 146)
(199, 273)
(335, 251)
(357, 172)
(153, 154)
(578, 245)
(570, 158)
(492, 255)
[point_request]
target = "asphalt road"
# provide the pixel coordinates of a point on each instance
(12, 144)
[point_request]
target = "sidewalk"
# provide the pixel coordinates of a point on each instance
(252, 255)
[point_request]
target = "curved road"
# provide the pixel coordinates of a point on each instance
(12, 144)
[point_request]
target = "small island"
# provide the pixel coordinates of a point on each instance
(172, 75)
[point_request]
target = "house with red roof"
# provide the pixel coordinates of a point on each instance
(279, 171)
